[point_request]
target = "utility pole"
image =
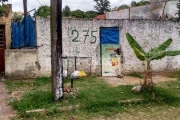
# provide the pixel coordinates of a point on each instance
(56, 49)
(25, 7)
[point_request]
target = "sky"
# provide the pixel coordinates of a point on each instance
(85, 5)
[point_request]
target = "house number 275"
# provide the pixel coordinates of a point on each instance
(86, 35)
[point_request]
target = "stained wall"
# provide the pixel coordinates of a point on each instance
(157, 10)
(82, 38)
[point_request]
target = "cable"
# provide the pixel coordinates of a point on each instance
(44, 2)
(39, 2)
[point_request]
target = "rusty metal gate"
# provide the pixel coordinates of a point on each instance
(2, 48)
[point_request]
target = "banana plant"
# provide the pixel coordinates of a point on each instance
(153, 54)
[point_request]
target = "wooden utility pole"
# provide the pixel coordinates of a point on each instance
(25, 7)
(56, 49)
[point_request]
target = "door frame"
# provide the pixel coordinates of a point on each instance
(4, 37)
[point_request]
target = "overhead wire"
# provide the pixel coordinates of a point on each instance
(39, 2)
(44, 2)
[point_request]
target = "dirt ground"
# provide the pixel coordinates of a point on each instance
(128, 80)
(6, 112)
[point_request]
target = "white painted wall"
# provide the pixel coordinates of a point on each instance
(157, 10)
(148, 33)
(44, 45)
(123, 14)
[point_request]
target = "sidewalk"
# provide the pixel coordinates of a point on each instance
(6, 112)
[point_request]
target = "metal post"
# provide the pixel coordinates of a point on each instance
(56, 49)
(75, 63)
(72, 80)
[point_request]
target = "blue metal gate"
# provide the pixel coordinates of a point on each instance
(24, 33)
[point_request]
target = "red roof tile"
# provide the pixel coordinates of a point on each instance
(100, 17)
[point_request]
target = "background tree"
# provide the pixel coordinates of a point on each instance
(79, 14)
(17, 18)
(43, 11)
(140, 3)
(91, 14)
(177, 19)
(102, 6)
(124, 6)
(3, 1)
(3, 8)
(66, 11)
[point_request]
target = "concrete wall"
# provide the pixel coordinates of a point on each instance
(21, 64)
(157, 1)
(148, 33)
(123, 14)
(154, 11)
(44, 46)
(72, 28)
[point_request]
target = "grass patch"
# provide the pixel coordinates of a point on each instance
(135, 74)
(175, 74)
(95, 97)
(34, 100)
(42, 82)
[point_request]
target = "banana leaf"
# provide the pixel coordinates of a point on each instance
(158, 56)
(162, 47)
(134, 44)
(172, 53)
(139, 54)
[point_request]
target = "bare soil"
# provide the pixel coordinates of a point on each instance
(128, 80)
(6, 112)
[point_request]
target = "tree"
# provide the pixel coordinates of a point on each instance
(154, 54)
(3, 1)
(79, 14)
(3, 10)
(43, 11)
(140, 3)
(177, 19)
(102, 6)
(17, 18)
(66, 11)
(133, 4)
(124, 6)
(91, 14)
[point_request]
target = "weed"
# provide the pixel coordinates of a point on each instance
(175, 74)
(95, 98)
(18, 85)
(33, 100)
(52, 111)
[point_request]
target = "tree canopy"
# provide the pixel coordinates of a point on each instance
(3, 1)
(91, 14)
(177, 19)
(140, 3)
(102, 6)
(43, 11)
(66, 11)
(124, 6)
(79, 14)
(3, 10)
(17, 18)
